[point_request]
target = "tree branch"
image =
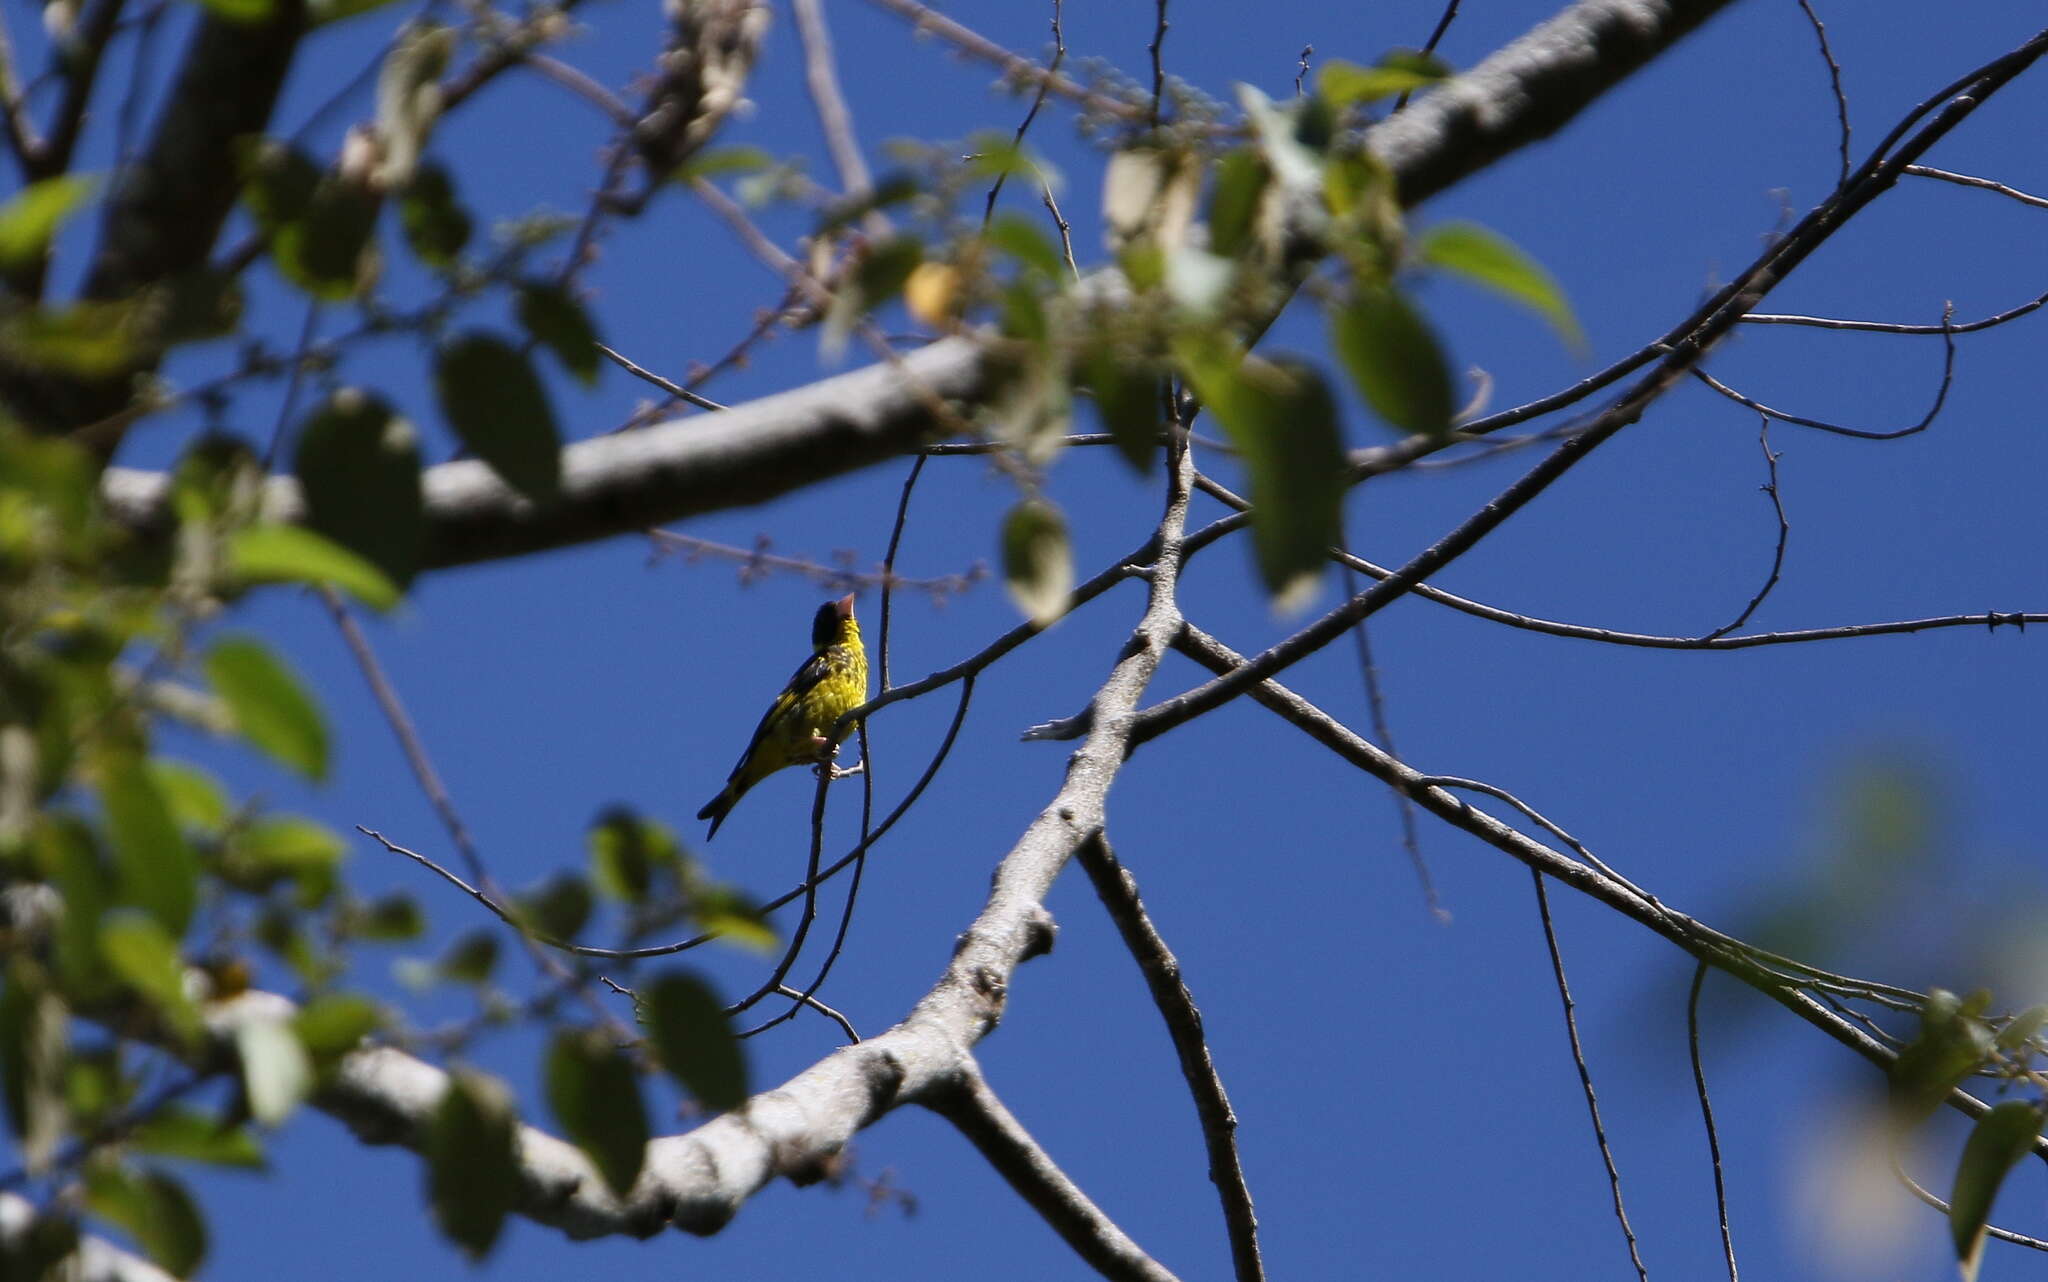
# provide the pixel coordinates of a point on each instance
(1118, 891)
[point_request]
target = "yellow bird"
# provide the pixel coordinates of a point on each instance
(798, 726)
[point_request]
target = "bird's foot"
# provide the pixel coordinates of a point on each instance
(833, 770)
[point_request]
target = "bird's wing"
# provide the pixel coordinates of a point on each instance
(808, 674)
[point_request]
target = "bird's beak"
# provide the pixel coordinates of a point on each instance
(843, 607)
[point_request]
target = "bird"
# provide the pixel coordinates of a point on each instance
(797, 728)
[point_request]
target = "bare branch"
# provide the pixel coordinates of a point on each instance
(1699, 1081)
(978, 1113)
(1118, 891)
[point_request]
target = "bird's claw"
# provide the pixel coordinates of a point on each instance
(833, 770)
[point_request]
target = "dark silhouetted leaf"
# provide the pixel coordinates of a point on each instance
(1127, 401)
(278, 183)
(291, 554)
(595, 1095)
(435, 223)
(496, 404)
(624, 850)
(1283, 420)
(358, 464)
(389, 919)
(559, 908)
(557, 320)
(693, 1039)
(327, 250)
(270, 706)
(470, 959)
(259, 854)
(1394, 361)
(1038, 565)
(1996, 1144)
(1952, 1044)
(473, 1160)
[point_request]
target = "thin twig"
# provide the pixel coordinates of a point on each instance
(1770, 489)
(1015, 67)
(1443, 24)
(1699, 1081)
(1571, 1028)
(1948, 371)
(289, 401)
(1059, 40)
(675, 390)
(1894, 327)
(757, 561)
(2004, 1235)
(1970, 180)
(1158, 68)
(1404, 805)
(1118, 891)
(1820, 32)
(889, 562)
(821, 76)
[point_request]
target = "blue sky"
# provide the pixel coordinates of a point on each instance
(1406, 1100)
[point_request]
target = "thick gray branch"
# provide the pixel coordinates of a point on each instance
(765, 448)
(1529, 89)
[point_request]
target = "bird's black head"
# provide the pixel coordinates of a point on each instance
(826, 624)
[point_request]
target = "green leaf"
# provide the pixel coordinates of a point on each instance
(67, 855)
(496, 404)
(145, 956)
(259, 854)
(193, 795)
(91, 339)
(291, 554)
(470, 959)
(2021, 1027)
(1126, 397)
(693, 1039)
(1283, 420)
(558, 909)
(276, 1071)
(1487, 258)
(716, 162)
(358, 465)
(327, 250)
(31, 217)
(278, 183)
(1996, 1144)
(892, 189)
(246, 12)
(388, 919)
(334, 1024)
(1394, 361)
(156, 869)
(624, 849)
(435, 223)
(595, 1095)
(194, 1137)
(270, 706)
(1340, 83)
(1038, 564)
(1241, 179)
(558, 321)
(734, 918)
(34, 1031)
(152, 1208)
(1020, 238)
(1952, 1045)
(473, 1160)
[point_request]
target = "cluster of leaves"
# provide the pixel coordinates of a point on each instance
(1958, 1042)
(139, 904)
(1211, 235)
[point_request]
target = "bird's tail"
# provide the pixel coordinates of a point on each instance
(719, 807)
